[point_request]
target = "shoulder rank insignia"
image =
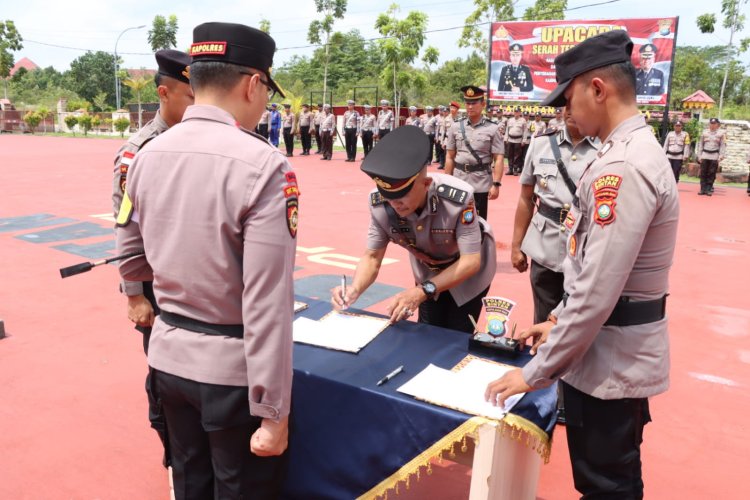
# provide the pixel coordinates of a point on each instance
(453, 194)
(376, 199)
(605, 192)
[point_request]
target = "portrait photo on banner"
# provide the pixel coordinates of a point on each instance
(522, 55)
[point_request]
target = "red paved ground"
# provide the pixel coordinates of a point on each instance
(72, 407)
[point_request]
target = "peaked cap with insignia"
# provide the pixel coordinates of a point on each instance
(472, 93)
(174, 64)
(396, 161)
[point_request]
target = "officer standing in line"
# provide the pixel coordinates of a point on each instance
(413, 119)
(327, 130)
(450, 118)
(385, 120)
(287, 123)
(221, 355)
(537, 127)
(305, 120)
(351, 130)
(429, 125)
(558, 122)
(367, 128)
(316, 121)
(677, 148)
(608, 339)
(515, 131)
(263, 123)
(526, 138)
(551, 171)
(274, 120)
(475, 150)
(452, 251)
(439, 133)
(710, 151)
(175, 95)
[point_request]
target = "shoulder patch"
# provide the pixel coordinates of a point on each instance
(126, 210)
(453, 194)
(376, 199)
(606, 189)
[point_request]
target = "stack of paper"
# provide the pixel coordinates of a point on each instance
(339, 330)
(462, 390)
(299, 306)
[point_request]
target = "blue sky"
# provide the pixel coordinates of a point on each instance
(95, 24)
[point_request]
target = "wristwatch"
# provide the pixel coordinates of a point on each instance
(496, 184)
(429, 288)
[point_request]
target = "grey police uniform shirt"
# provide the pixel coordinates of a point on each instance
(287, 120)
(515, 129)
(429, 124)
(556, 124)
(264, 118)
(414, 121)
(215, 209)
(711, 145)
(351, 119)
(448, 122)
(328, 123)
(123, 160)
(486, 140)
(545, 241)
(385, 120)
(537, 128)
(621, 244)
(367, 123)
(305, 119)
(447, 226)
(677, 146)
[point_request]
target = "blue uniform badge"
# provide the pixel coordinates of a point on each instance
(467, 217)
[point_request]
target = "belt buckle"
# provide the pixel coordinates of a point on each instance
(564, 211)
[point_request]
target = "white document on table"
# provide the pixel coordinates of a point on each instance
(339, 330)
(299, 306)
(462, 390)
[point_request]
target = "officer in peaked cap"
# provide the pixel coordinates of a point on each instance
(515, 77)
(175, 95)
(649, 80)
(433, 217)
(475, 150)
(710, 150)
(209, 343)
(351, 122)
(515, 132)
(622, 231)
(367, 128)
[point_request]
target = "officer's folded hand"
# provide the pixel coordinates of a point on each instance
(140, 311)
(519, 260)
(538, 333)
(341, 303)
(271, 438)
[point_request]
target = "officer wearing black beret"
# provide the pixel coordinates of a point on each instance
(452, 250)
(515, 77)
(221, 348)
(608, 338)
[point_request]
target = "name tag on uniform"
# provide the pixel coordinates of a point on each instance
(550, 161)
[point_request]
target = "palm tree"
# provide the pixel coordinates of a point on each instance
(138, 85)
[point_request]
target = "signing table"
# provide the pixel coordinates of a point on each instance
(351, 439)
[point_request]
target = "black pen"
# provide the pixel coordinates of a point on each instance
(391, 375)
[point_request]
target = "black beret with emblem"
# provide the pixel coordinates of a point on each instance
(472, 93)
(235, 44)
(174, 64)
(609, 48)
(396, 161)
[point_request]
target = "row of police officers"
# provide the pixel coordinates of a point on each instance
(213, 210)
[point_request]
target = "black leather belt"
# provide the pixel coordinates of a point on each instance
(515, 136)
(710, 151)
(554, 214)
(631, 313)
(471, 168)
(194, 325)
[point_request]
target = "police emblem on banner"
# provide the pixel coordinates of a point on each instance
(497, 311)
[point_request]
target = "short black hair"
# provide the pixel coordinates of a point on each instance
(214, 74)
(621, 74)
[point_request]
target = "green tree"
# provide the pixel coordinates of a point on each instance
(546, 10)
(734, 21)
(85, 121)
(475, 31)
(32, 120)
(265, 26)
(71, 121)
(121, 125)
(100, 101)
(320, 30)
(93, 73)
(43, 113)
(454, 74)
(10, 41)
(403, 41)
(701, 68)
(96, 120)
(163, 33)
(138, 85)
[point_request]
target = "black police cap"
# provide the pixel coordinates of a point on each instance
(609, 48)
(396, 160)
(174, 64)
(472, 93)
(235, 44)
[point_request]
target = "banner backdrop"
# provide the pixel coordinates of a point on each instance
(522, 55)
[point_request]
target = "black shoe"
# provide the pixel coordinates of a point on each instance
(441, 167)
(561, 416)
(701, 193)
(710, 193)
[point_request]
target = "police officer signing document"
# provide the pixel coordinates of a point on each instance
(475, 150)
(608, 340)
(452, 251)
(214, 206)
